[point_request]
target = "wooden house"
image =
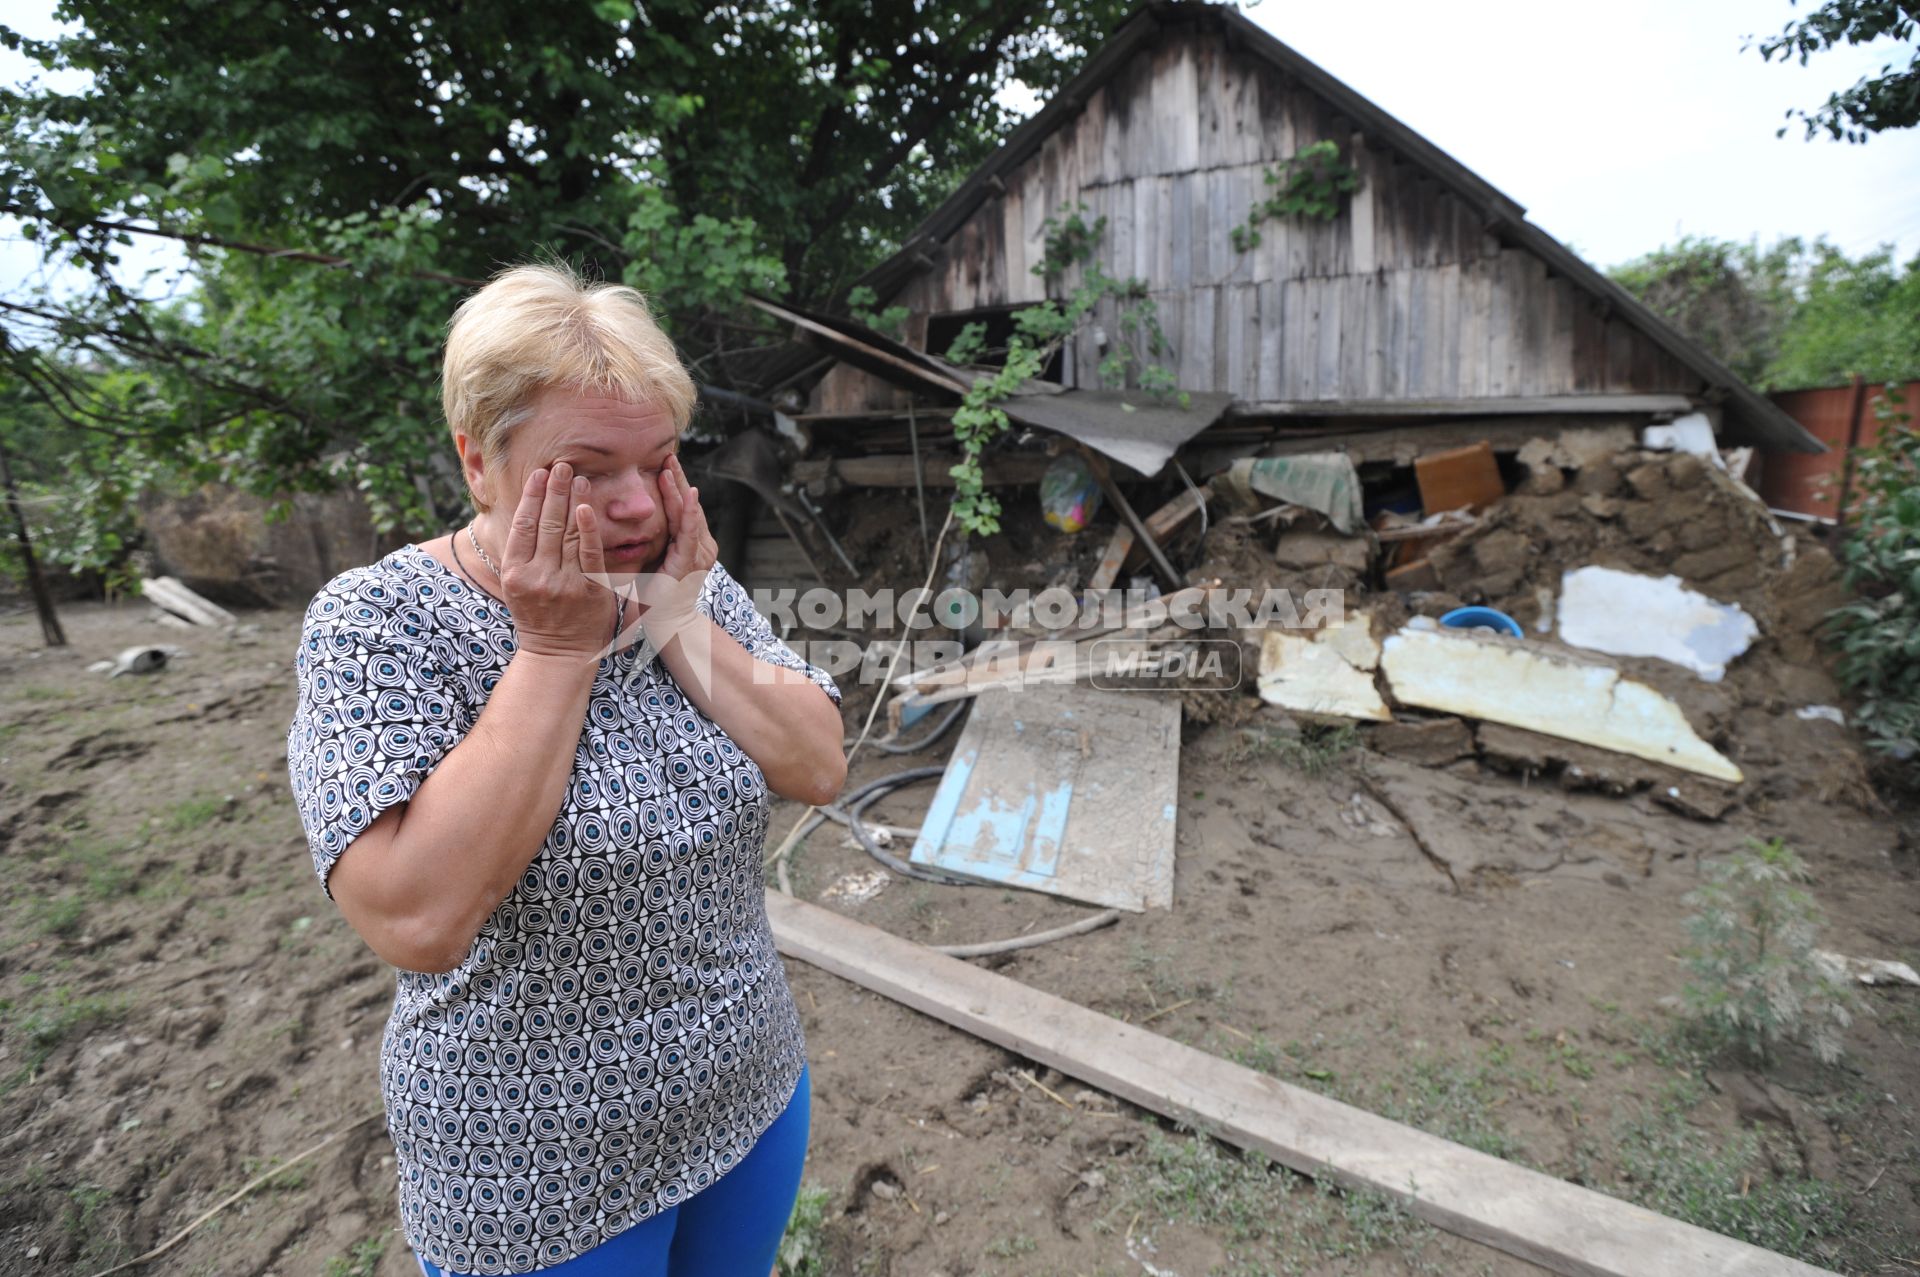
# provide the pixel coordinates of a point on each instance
(1429, 310)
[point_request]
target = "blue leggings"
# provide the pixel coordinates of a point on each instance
(730, 1228)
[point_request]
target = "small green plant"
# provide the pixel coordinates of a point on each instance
(1039, 331)
(1755, 980)
(802, 1252)
(1010, 1247)
(362, 1261)
(890, 322)
(1316, 748)
(1879, 632)
(1309, 183)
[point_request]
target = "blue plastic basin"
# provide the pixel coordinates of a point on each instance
(1467, 618)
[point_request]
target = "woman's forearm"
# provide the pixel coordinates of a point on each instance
(457, 848)
(778, 716)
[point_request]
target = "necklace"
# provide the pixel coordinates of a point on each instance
(619, 601)
(491, 565)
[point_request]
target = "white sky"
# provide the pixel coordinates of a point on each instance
(1619, 127)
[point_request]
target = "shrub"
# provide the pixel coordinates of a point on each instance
(1879, 633)
(1755, 980)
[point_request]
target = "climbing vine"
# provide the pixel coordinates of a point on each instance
(1309, 183)
(1038, 332)
(891, 322)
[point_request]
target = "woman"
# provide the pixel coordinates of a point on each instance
(554, 829)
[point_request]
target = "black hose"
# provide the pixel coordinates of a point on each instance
(873, 791)
(892, 745)
(837, 812)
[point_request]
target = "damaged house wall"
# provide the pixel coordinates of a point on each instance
(1429, 289)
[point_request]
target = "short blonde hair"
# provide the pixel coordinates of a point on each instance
(542, 325)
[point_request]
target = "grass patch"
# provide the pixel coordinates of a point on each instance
(1157, 972)
(1668, 1165)
(84, 1219)
(362, 1261)
(51, 1018)
(1316, 748)
(1271, 1220)
(803, 1249)
(59, 915)
(194, 813)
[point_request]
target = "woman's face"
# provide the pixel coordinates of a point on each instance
(618, 447)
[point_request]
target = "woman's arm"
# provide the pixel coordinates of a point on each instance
(422, 879)
(782, 720)
(778, 716)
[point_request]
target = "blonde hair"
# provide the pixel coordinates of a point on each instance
(542, 325)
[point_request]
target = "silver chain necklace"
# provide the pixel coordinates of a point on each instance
(491, 565)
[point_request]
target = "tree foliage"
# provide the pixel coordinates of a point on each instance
(694, 151)
(1791, 316)
(1890, 100)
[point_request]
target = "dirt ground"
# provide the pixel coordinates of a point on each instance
(182, 1009)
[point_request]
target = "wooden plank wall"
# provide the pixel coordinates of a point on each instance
(1404, 294)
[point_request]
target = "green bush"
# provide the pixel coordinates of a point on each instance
(1755, 980)
(1879, 633)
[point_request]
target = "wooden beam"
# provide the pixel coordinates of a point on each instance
(1547, 1221)
(1145, 539)
(859, 353)
(1536, 405)
(1112, 560)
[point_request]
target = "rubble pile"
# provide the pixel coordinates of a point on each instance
(1659, 515)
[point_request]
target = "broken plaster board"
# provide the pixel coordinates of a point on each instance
(1627, 614)
(1064, 789)
(1505, 682)
(1324, 672)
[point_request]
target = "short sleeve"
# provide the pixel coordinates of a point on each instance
(375, 715)
(729, 604)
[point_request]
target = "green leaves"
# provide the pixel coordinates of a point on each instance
(1309, 183)
(1878, 635)
(1790, 316)
(1890, 100)
(1755, 980)
(1038, 332)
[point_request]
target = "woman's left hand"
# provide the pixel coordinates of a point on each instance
(691, 549)
(669, 596)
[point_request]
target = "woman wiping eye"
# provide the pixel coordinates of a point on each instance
(554, 830)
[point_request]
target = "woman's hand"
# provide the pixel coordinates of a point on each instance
(552, 567)
(670, 594)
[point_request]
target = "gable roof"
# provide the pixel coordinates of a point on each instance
(1752, 418)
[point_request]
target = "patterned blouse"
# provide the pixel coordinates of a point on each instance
(621, 1032)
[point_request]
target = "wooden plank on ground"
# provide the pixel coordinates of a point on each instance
(1548, 1221)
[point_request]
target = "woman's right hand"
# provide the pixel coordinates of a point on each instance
(548, 572)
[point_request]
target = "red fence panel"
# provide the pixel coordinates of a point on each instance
(1810, 485)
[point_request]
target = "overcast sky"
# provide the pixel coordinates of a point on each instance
(1619, 127)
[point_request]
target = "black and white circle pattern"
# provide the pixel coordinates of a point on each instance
(621, 1031)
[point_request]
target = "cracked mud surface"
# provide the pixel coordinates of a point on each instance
(184, 1004)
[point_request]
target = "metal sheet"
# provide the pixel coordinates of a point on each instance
(1130, 426)
(1063, 789)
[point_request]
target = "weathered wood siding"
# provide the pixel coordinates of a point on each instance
(1405, 294)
